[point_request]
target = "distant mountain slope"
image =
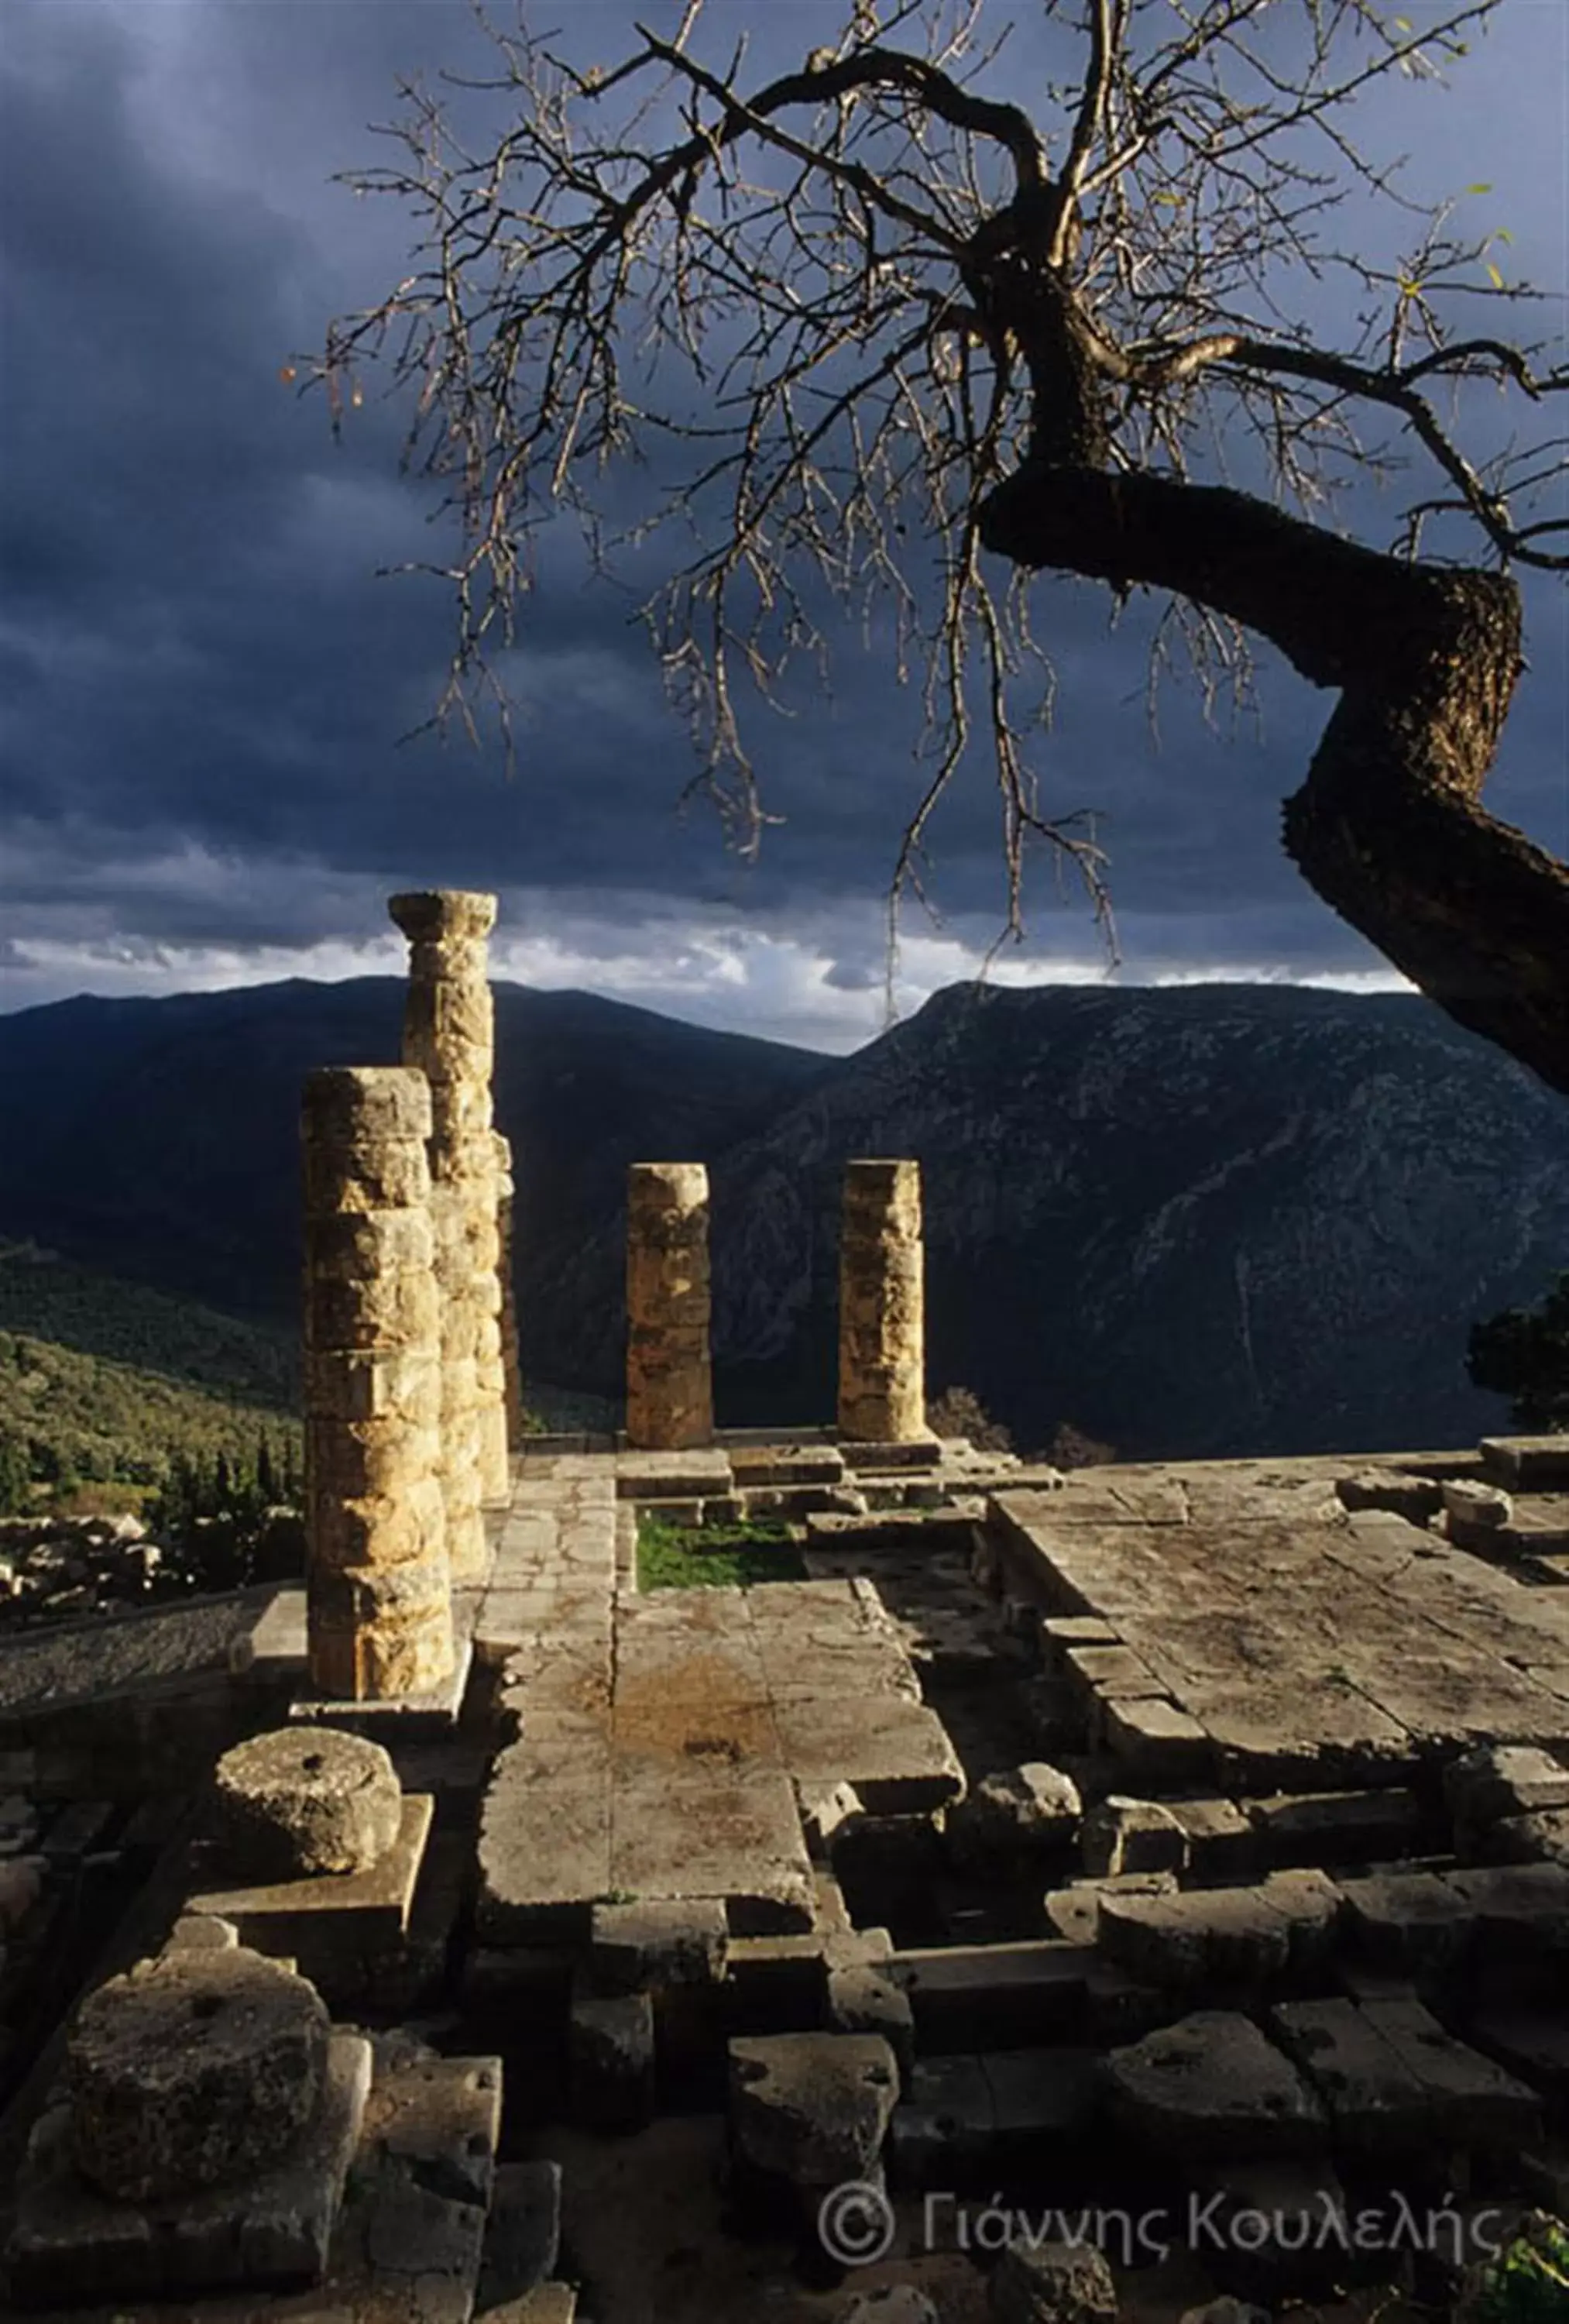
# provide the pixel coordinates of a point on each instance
(1207, 1220)
(158, 1139)
(50, 1298)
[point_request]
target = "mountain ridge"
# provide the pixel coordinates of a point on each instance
(1200, 1219)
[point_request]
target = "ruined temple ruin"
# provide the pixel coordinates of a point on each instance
(1001, 1894)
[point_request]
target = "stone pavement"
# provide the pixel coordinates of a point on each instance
(1259, 1633)
(663, 1741)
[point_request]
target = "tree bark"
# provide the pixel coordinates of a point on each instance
(1389, 826)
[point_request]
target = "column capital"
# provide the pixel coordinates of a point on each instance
(434, 915)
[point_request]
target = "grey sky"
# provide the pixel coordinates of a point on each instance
(202, 683)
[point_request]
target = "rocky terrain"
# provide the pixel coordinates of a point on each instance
(1201, 1221)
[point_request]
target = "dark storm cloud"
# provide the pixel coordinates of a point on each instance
(202, 683)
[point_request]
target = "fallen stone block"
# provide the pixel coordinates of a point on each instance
(1311, 1905)
(1413, 1922)
(610, 2051)
(993, 1996)
(1209, 1941)
(1052, 2283)
(1278, 2229)
(1013, 1815)
(649, 1945)
(1519, 1914)
(829, 1809)
(1496, 1781)
(1212, 2087)
(1061, 1632)
(893, 1751)
(1376, 2103)
(1222, 1843)
(1053, 1712)
(1124, 1835)
(775, 1985)
(1539, 1839)
(1394, 1491)
(1074, 1912)
(1336, 1828)
(941, 2132)
(1471, 2101)
(1040, 2096)
(863, 1998)
(1472, 1511)
(812, 2109)
(896, 2303)
(1538, 1464)
(1153, 1742)
(1532, 2043)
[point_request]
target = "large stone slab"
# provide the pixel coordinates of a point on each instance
(895, 1752)
(543, 1846)
(1528, 1463)
(1376, 2103)
(326, 1914)
(812, 2109)
(1470, 2100)
(1314, 1651)
(732, 1833)
(1211, 2088)
(71, 2245)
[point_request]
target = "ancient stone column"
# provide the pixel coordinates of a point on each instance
(448, 1033)
(380, 1617)
(511, 1359)
(669, 1379)
(882, 1352)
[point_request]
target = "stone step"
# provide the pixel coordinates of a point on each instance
(1527, 1463)
(968, 2114)
(984, 1998)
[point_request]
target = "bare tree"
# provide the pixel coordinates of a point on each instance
(885, 339)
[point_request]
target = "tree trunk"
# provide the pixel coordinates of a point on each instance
(1388, 827)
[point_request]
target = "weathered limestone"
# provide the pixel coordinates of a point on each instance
(378, 1591)
(307, 1799)
(449, 1035)
(1014, 1813)
(511, 1357)
(192, 2070)
(1052, 2283)
(882, 1350)
(1212, 2087)
(812, 2109)
(669, 1375)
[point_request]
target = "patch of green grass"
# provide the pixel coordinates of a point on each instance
(714, 1556)
(1530, 2282)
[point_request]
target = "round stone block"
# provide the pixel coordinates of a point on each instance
(307, 1799)
(193, 2070)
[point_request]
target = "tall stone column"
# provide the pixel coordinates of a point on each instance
(449, 1034)
(380, 1615)
(669, 1378)
(511, 1357)
(882, 1350)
